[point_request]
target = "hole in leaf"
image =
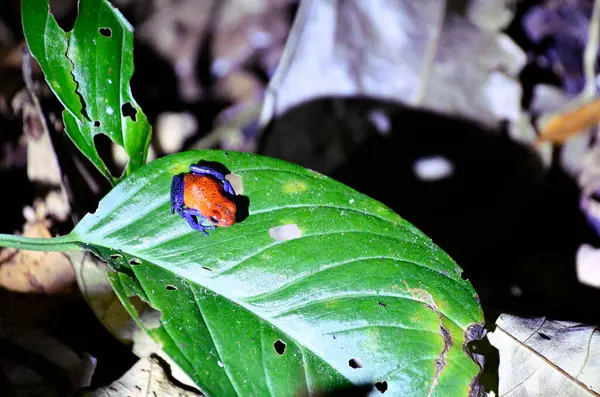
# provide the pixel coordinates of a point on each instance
(381, 386)
(128, 111)
(149, 316)
(355, 363)
(285, 232)
(97, 124)
(105, 148)
(544, 336)
(135, 262)
(207, 268)
(116, 256)
(279, 346)
(106, 32)
(171, 287)
(236, 183)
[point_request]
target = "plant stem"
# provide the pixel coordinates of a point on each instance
(62, 243)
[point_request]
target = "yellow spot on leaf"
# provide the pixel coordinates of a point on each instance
(294, 187)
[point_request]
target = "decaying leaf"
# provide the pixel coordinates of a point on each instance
(172, 129)
(589, 180)
(146, 378)
(36, 364)
(38, 272)
(588, 265)
(239, 31)
(540, 357)
(559, 127)
(427, 55)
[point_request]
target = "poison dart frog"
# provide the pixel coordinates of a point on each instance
(203, 194)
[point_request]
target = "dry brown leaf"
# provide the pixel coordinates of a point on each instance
(36, 272)
(240, 32)
(145, 378)
(55, 361)
(176, 32)
(240, 87)
(173, 128)
(246, 28)
(560, 127)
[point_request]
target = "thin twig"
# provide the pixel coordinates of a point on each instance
(591, 53)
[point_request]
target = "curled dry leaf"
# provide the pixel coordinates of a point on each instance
(588, 265)
(172, 129)
(540, 357)
(42, 365)
(146, 378)
(559, 127)
(37, 272)
(240, 31)
(589, 180)
(420, 53)
(247, 28)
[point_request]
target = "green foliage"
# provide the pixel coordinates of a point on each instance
(351, 294)
(89, 70)
(359, 282)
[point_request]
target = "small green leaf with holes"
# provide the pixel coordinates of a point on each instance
(316, 287)
(89, 69)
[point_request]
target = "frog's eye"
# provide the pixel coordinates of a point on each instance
(215, 217)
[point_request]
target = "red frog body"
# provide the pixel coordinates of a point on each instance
(203, 196)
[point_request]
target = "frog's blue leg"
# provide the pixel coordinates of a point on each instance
(206, 170)
(176, 193)
(188, 214)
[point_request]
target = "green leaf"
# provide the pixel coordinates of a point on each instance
(359, 296)
(89, 70)
(360, 283)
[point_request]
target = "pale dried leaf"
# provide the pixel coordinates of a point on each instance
(540, 357)
(588, 265)
(589, 180)
(240, 31)
(145, 378)
(176, 32)
(245, 28)
(36, 272)
(79, 369)
(419, 53)
(172, 129)
(97, 291)
(549, 101)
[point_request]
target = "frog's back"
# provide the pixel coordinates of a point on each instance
(202, 192)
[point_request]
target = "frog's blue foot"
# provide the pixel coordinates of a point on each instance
(207, 170)
(195, 223)
(176, 193)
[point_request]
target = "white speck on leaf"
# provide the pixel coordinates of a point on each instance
(220, 364)
(109, 81)
(109, 110)
(285, 232)
(351, 201)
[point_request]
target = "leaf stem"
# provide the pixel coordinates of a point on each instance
(61, 243)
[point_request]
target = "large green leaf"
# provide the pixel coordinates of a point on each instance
(89, 70)
(360, 296)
